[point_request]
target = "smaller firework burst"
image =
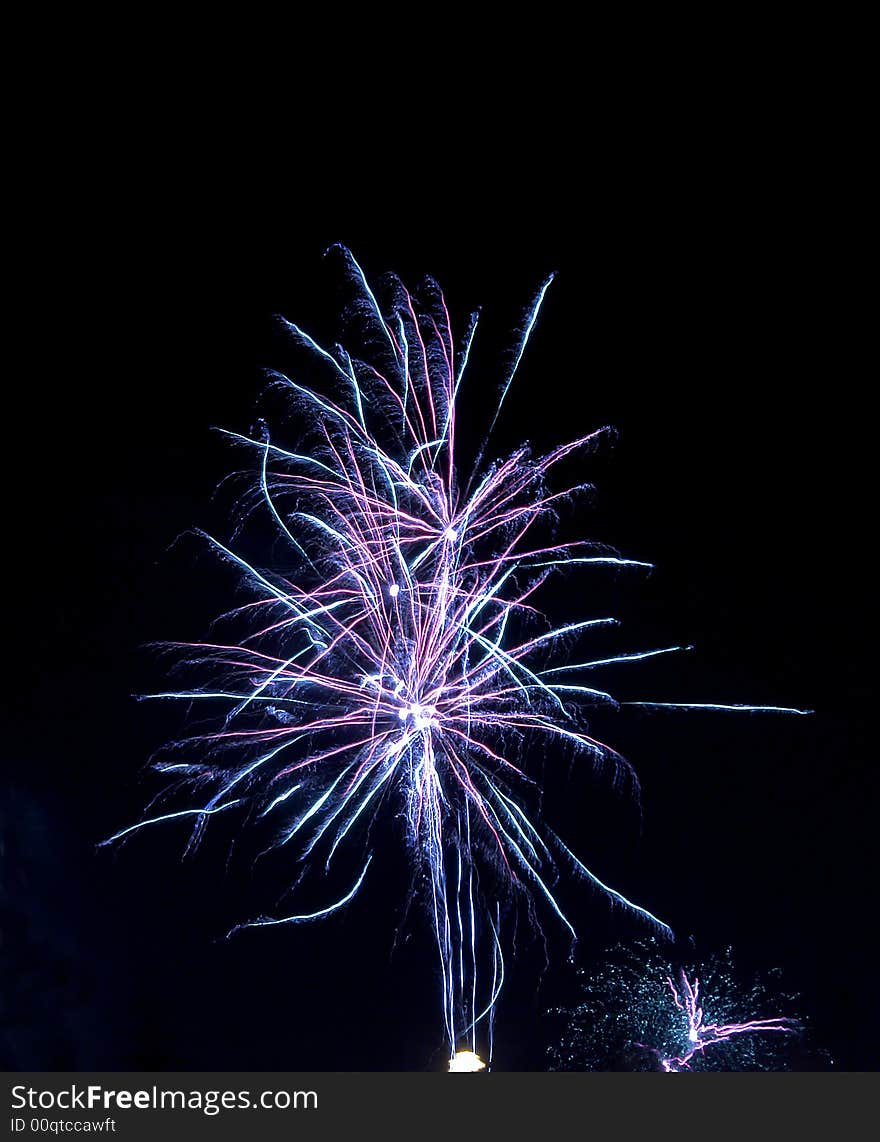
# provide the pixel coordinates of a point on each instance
(643, 1013)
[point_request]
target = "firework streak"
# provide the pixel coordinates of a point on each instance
(398, 662)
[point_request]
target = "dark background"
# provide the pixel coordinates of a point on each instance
(700, 308)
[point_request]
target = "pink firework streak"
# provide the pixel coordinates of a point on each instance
(399, 658)
(702, 1035)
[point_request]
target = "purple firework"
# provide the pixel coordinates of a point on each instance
(399, 659)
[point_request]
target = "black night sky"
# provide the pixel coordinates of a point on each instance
(699, 317)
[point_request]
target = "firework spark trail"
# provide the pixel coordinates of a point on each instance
(700, 1034)
(381, 667)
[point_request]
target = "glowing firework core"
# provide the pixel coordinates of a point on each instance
(422, 716)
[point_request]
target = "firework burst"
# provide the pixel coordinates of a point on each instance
(642, 1012)
(397, 662)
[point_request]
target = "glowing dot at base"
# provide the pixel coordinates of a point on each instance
(466, 1061)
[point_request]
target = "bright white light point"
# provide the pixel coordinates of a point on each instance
(394, 590)
(451, 534)
(422, 716)
(692, 1035)
(466, 1061)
